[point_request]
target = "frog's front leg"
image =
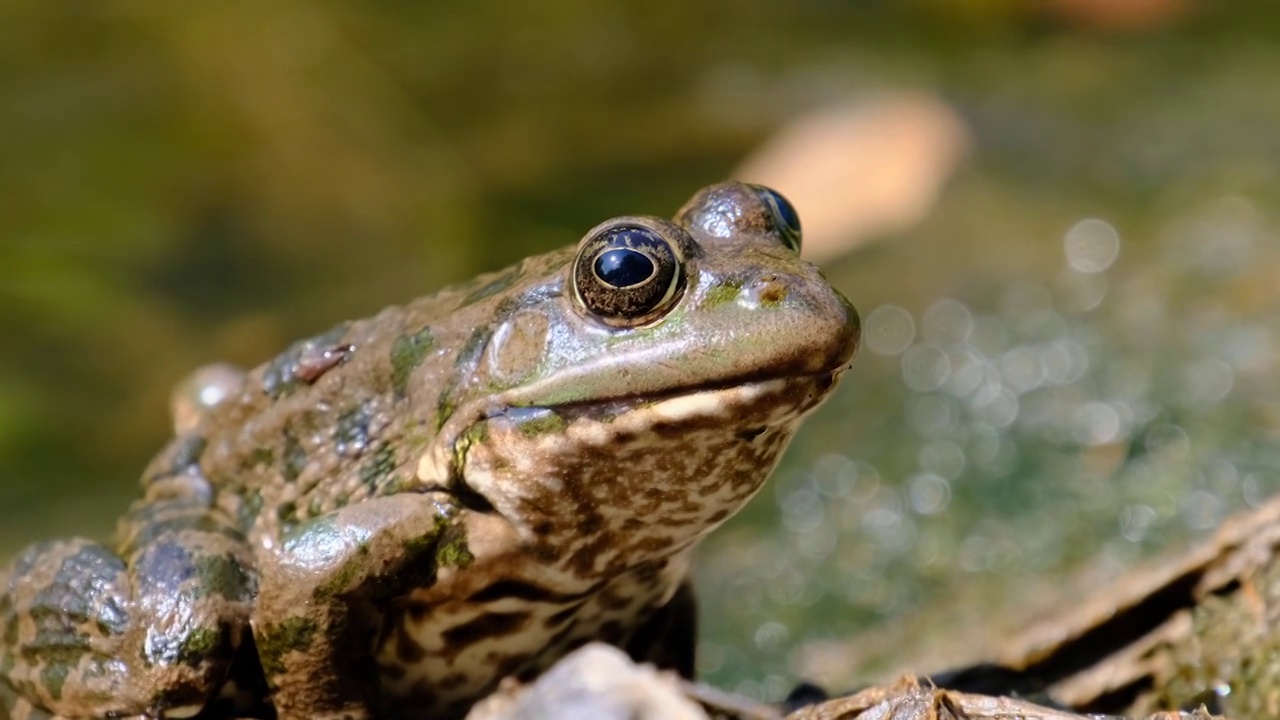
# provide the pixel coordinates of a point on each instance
(323, 592)
(147, 629)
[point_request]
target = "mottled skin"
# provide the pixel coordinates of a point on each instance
(403, 510)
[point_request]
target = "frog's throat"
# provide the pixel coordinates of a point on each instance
(441, 466)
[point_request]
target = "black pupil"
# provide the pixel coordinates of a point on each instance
(623, 267)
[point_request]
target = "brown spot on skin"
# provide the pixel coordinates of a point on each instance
(564, 615)
(452, 681)
(612, 601)
(486, 626)
(520, 590)
(408, 651)
(417, 610)
(423, 695)
(561, 635)
(507, 665)
(611, 632)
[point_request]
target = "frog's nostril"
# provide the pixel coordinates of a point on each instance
(773, 293)
(768, 289)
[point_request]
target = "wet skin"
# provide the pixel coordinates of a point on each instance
(393, 515)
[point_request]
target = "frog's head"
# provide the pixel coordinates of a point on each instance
(642, 392)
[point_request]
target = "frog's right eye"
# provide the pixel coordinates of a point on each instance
(628, 275)
(785, 218)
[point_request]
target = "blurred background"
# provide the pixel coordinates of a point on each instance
(1058, 219)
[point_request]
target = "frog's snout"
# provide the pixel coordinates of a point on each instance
(846, 333)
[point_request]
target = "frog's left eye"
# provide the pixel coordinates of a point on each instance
(628, 275)
(785, 218)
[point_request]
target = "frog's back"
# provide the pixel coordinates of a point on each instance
(345, 415)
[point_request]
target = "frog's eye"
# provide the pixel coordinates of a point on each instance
(785, 218)
(628, 275)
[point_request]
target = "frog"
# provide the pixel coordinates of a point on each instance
(392, 516)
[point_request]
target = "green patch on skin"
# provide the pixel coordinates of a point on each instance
(473, 435)
(445, 407)
(345, 578)
(542, 424)
(53, 676)
(378, 466)
(294, 634)
(722, 293)
(419, 567)
(495, 286)
(407, 353)
(295, 457)
(351, 435)
(464, 366)
(394, 484)
(199, 645)
(224, 576)
(250, 507)
(451, 548)
(259, 457)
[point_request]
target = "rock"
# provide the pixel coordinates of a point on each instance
(597, 682)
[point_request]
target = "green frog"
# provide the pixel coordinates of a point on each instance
(392, 516)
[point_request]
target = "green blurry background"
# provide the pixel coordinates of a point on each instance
(189, 182)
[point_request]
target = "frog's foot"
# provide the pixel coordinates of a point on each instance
(319, 610)
(87, 634)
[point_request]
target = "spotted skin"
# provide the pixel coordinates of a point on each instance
(395, 514)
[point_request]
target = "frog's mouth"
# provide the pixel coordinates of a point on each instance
(746, 407)
(716, 443)
(713, 401)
